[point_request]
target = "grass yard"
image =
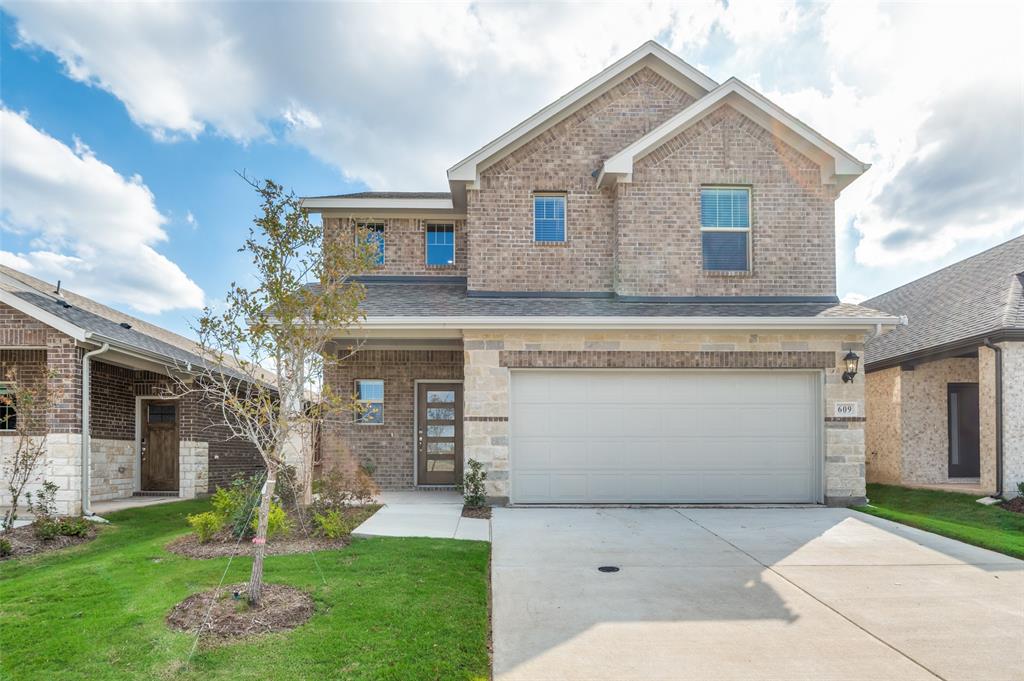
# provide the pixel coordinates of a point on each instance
(950, 514)
(391, 609)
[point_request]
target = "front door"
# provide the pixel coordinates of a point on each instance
(159, 447)
(439, 433)
(964, 459)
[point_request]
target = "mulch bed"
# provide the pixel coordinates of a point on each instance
(224, 544)
(219, 614)
(25, 543)
(1016, 505)
(476, 512)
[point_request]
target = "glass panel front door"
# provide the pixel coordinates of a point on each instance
(439, 433)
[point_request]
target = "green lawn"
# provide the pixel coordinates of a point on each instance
(950, 514)
(391, 609)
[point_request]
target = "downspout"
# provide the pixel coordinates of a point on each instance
(999, 415)
(86, 450)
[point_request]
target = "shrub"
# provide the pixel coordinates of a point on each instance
(332, 524)
(338, 490)
(277, 521)
(73, 527)
(284, 490)
(43, 505)
(472, 486)
(5, 548)
(1020, 488)
(206, 524)
(45, 528)
(236, 504)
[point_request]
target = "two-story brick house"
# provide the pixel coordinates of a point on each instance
(630, 297)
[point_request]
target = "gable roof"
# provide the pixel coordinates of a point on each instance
(649, 55)
(959, 305)
(86, 320)
(838, 166)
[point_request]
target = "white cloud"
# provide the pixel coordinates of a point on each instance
(191, 220)
(854, 297)
(87, 225)
(393, 96)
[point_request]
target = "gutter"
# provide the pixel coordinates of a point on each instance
(999, 415)
(86, 449)
(586, 322)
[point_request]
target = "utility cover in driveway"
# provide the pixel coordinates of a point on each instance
(611, 436)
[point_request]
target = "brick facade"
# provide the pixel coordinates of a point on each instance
(388, 448)
(503, 254)
(792, 215)
(405, 244)
(112, 402)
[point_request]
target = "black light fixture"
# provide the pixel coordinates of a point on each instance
(851, 360)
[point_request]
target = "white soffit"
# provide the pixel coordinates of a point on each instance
(838, 166)
(650, 54)
(363, 204)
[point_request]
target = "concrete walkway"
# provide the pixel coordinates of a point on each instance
(720, 594)
(423, 514)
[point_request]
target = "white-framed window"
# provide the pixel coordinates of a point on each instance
(370, 401)
(440, 243)
(549, 217)
(374, 232)
(8, 408)
(725, 228)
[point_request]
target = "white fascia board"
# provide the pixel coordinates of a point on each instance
(620, 166)
(466, 169)
(378, 204)
(51, 320)
(468, 322)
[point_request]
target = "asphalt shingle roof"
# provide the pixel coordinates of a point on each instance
(428, 299)
(975, 297)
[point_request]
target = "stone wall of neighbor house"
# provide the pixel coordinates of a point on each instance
(405, 244)
(986, 417)
(503, 254)
(883, 439)
(792, 215)
(1013, 416)
(112, 469)
(387, 448)
(925, 436)
(487, 384)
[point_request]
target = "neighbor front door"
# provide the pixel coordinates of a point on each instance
(159, 447)
(439, 433)
(964, 459)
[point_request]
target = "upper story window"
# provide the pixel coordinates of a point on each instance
(375, 235)
(370, 401)
(725, 228)
(549, 217)
(440, 244)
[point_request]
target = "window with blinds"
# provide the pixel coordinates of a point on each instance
(549, 217)
(725, 228)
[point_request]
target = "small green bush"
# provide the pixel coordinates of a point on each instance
(5, 548)
(236, 504)
(332, 524)
(472, 487)
(43, 505)
(73, 527)
(46, 528)
(206, 525)
(277, 521)
(1020, 488)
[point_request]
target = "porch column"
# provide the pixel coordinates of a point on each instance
(485, 416)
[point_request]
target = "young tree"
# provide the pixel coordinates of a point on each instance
(24, 406)
(273, 334)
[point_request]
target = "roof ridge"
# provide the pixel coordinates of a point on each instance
(951, 265)
(1013, 313)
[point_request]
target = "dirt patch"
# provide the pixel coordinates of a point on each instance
(224, 544)
(476, 512)
(1016, 505)
(25, 543)
(219, 613)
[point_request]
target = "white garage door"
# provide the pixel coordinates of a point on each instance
(592, 436)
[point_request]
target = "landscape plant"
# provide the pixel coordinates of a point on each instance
(473, 490)
(273, 333)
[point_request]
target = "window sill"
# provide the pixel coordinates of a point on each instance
(728, 274)
(550, 244)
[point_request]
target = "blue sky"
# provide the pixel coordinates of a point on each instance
(124, 125)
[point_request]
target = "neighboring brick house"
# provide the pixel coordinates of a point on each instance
(629, 297)
(141, 441)
(945, 393)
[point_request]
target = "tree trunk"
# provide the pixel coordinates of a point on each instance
(260, 540)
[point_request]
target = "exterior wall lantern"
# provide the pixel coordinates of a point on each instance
(851, 360)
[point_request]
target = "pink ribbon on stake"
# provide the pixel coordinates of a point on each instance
(259, 540)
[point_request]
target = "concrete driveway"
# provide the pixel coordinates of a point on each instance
(716, 594)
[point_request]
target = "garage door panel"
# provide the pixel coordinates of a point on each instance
(664, 436)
